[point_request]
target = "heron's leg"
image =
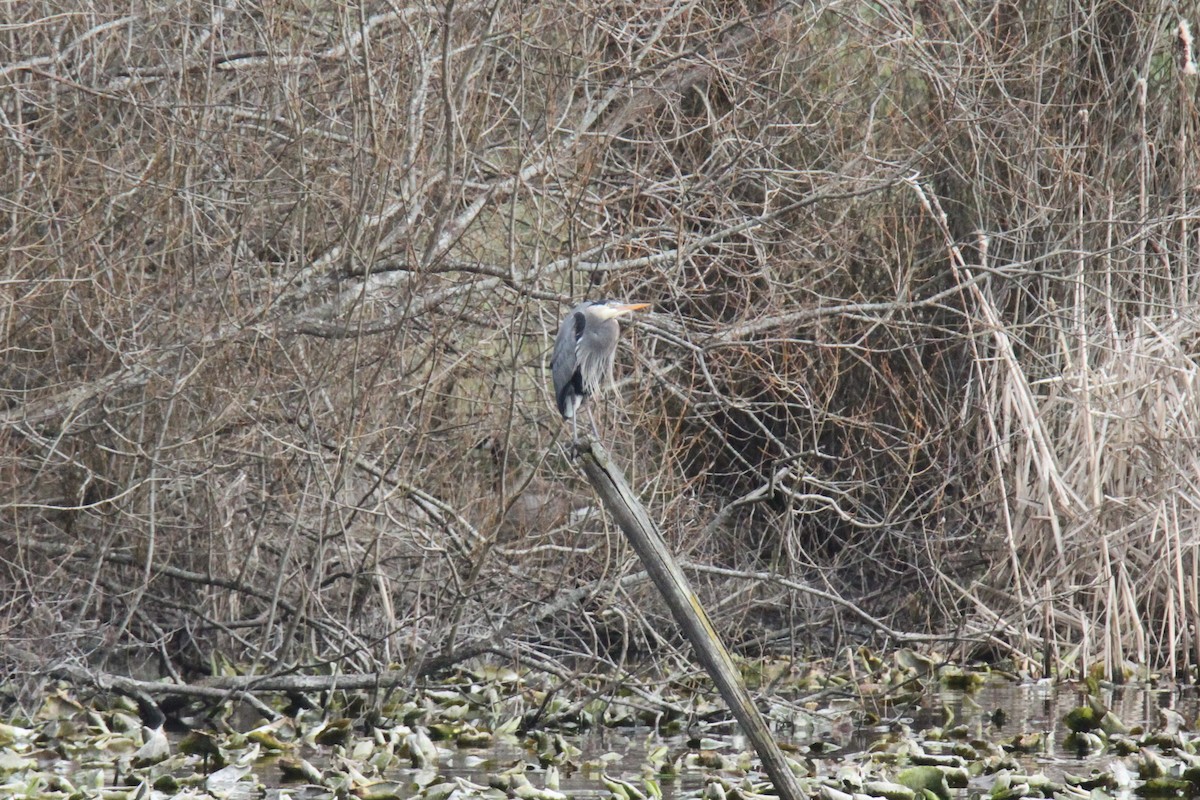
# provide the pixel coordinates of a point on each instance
(592, 420)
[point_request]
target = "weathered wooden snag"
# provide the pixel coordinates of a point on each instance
(648, 542)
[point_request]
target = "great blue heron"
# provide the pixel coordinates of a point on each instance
(583, 353)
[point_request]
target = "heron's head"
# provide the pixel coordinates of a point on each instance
(608, 309)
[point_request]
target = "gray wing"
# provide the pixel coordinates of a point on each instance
(564, 363)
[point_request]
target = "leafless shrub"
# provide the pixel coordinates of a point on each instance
(279, 281)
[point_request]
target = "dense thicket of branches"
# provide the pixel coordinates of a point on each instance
(279, 281)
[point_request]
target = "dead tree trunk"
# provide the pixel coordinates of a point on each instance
(648, 542)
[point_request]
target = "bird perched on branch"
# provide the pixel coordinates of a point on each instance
(583, 353)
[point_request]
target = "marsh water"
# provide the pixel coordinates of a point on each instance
(833, 737)
(999, 739)
(1041, 707)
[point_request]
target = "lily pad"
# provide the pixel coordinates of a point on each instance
(925, 779)
(889, 790)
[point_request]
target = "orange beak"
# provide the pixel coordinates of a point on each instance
(631, 307)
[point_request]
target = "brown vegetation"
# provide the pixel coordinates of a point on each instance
(279, 281)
